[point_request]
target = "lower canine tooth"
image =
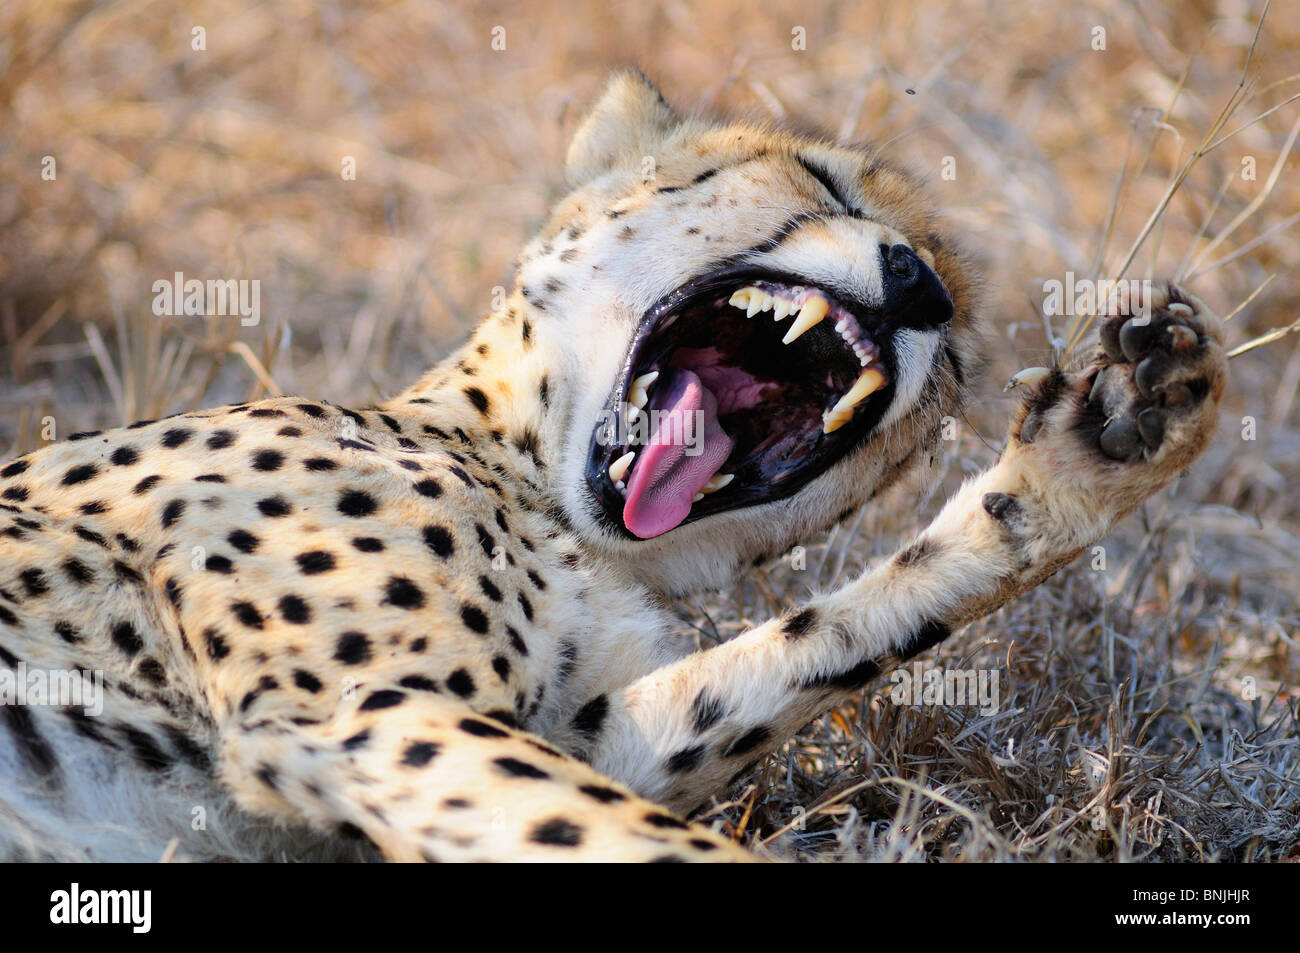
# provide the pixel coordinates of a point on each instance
(814, 309)
(618, 469)
(644, 381)
(869, 381)
(718, 481)
(697, 497)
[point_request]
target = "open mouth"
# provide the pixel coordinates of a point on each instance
(739, 388)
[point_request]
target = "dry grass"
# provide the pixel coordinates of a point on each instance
(1125, 730)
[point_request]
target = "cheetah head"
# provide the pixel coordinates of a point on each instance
(757, 330)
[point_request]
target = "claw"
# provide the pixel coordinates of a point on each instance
(1029, 378)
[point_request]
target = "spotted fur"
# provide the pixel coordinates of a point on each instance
(403, 631)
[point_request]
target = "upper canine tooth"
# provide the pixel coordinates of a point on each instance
(618, 469)
(869, 381)
(718, 481)
(814, 309)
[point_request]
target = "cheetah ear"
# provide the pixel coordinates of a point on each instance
(628, 121)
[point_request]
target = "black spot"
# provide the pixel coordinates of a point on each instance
(247, 613)
(188, 748)
(210, 478)
(516, 641)
(217, 647)
(485, 540)
(477, 398)
(126, 638)
(602, 794)
(384, 698)
(591, 717)
(368, 544)
(526, 606)
(557, 832)
(67, 632)
(173, 590)
(124, 456)
(266, 412)
(748, 741)
(314, 562)
(311, 410)
(176, 437)
(481, 729)
(520, 769)
(460, 475)
(147, 484)
(16, 468)
(34, 582)
(849, 680)
(439, 540)
(243, 540)
(36, 750)
(418, 682)
(685, 760)
(666, 822)
(928, 635)
(220, 439)
(474, 619)
(461, 683)
(419, 753)
(536, 580)
(172, 512)
(428, 487)
(798, 624)
(403, 593)
(295, 609)
(221, 564)
(501, 665)
(80, 474)
(352, 648)
(359, 740)
(708, 711)
(268, 460)
(151, 670)
(319, 464)
(145, 748)
(390, 423)
(289, 431)
(489, 588)
(917, 553)
(274, 506)
(78, 571)
(306, 681)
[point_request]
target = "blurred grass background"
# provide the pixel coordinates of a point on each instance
(1129, 728)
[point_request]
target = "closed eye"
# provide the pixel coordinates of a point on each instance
(830, 185)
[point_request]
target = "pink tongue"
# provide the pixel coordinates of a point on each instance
(687, 446)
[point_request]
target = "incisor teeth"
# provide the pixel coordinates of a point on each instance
(782, 309)
(814, 309)
(740, 299)
(757, 303)
(869, 381)
(618, 469)
(718, 481)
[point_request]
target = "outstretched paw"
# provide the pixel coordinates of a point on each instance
(1156, 374)
(1150, 392)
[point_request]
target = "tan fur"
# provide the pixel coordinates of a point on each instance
(405, 624)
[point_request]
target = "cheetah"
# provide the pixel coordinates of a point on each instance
(437, 629)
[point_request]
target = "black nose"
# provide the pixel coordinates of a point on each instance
(914, 297)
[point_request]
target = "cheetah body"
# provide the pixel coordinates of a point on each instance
(408, 631)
